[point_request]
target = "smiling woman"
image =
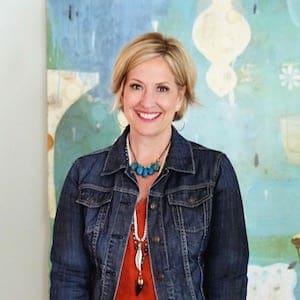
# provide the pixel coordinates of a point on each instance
(153, 216)
(154, 45)
(150, 100)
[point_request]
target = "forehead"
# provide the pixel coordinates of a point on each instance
(154, 69)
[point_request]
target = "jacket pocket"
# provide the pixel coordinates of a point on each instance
(191, 208)
(96, 203)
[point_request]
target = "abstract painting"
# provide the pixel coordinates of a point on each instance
(247, 55)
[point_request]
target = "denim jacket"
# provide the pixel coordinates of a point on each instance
(196, 231)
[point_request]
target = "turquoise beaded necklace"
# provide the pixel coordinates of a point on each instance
(141, 170)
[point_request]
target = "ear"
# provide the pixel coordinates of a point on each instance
(180, 99)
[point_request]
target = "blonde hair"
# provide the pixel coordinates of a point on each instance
(150, 45)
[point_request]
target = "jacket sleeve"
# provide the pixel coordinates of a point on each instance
(69, 278)
(226, 256)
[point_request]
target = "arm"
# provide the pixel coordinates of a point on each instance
(70, 262)
(226, 258)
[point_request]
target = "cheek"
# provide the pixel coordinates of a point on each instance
(125, 101)
(128, 102)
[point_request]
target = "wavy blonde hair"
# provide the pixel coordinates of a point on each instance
(151, 45)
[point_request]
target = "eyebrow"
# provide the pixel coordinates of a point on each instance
(158, 83)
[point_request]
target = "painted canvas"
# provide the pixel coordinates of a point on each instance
(248, 58)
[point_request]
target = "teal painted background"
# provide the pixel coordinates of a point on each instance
(85, 36)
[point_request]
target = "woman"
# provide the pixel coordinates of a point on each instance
(153, 216)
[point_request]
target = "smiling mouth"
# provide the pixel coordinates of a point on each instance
(148, 116)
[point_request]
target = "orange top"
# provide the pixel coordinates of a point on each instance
(129, 272)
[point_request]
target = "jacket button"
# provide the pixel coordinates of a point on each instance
(155, 239)
(152, 205)
(160, 276)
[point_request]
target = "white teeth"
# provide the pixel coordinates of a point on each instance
(148, 116)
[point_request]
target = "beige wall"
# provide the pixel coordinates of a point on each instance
(24, 237)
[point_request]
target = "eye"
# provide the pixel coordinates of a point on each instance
(163, 89)
(136, 86)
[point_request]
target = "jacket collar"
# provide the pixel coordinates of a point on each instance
(180, 157)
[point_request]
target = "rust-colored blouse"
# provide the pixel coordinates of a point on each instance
(129, 273)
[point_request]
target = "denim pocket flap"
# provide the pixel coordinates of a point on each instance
(93, 198)
(190, 197)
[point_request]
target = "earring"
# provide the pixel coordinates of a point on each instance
(182, 125)
(121, 119)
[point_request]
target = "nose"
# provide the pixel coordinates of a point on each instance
(148, 98)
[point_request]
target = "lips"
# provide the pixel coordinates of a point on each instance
(148, 116)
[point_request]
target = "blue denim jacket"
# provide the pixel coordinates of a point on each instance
(197, 239)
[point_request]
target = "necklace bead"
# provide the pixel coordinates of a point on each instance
(141, 170)
(145, 171)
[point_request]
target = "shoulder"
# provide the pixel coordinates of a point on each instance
(91, 157)
(91, 163)
(202, 152)
(185, 144)
(190, 155)
(105, 161)
(214, 162)
(202, 149)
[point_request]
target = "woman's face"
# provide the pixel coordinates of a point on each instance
(151, 98)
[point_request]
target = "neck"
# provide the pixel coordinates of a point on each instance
(147, 149)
